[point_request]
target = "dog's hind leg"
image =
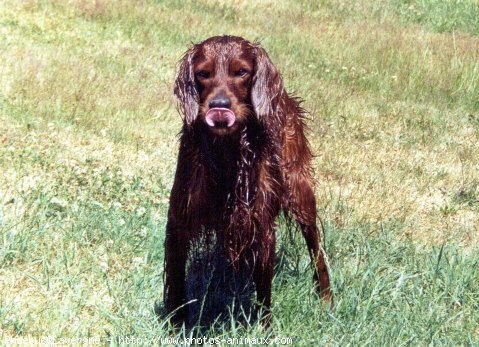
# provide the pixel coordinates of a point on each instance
(302, 205)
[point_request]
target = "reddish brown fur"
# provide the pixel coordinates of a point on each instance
(234, 181)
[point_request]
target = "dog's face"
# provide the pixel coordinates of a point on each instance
(223, 81)
(223, 75)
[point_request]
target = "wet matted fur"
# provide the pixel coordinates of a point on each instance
(243, 158)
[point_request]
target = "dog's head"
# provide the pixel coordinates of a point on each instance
(224, 80)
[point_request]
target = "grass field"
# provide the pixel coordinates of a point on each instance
(88, 142)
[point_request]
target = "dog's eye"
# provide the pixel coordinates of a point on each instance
(241, 73)
(203, 74)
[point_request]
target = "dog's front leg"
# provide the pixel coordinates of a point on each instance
(175, 262)
(263, 278)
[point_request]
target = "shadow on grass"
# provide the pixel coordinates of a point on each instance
(216, 293)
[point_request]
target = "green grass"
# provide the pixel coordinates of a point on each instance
(88, 149)
(443, 16)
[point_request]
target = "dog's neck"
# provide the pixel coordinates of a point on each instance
(219, 155)
(224, 157)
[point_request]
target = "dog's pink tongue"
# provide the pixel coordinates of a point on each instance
(220, 117)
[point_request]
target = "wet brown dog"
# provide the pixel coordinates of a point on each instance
(243, 158)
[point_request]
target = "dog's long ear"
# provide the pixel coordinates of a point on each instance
(185, 88)
(267, 85)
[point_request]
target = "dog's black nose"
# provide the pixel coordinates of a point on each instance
(220, 101)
